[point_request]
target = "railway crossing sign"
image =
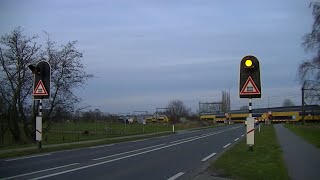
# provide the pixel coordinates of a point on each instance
(250, 84)
(40, 89)
(42, 79)
(249, 87)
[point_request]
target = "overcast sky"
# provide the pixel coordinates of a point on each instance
(144, 53)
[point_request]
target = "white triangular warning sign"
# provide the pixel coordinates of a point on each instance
(40, 89)
(249, 87)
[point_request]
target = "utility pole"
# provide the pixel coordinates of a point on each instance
(229, 101)
(302, 105)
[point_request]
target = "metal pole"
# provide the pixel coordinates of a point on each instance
(125, 126)
(40, 115)
(302, 105)
(250, 116)
(229, 101)
(250, 107)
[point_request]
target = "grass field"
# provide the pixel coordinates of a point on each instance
(75, 131)
(310, 132)
(265, 162)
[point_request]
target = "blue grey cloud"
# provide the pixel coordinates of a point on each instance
(145, 53)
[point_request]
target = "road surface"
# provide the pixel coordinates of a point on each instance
(177, 156)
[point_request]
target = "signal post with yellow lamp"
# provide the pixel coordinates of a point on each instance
(250, 87)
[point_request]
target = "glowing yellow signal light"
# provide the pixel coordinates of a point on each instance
(248, 63)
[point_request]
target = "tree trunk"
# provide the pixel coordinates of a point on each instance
(15, 131)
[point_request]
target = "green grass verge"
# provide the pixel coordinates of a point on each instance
(265, 162)
(74, 146)
(73, 131)
(309, 132)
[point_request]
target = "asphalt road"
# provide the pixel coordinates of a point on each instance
(177, 156)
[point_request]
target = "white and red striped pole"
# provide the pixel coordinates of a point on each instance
(250, 127)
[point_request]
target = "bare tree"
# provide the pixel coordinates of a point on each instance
(3, 122)
(309, 70)
(287, 103)
(16, 53)
(67, 73)
(225, 102)
(179, 109)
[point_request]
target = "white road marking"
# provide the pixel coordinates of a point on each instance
(44, 170)
(227, 145)
(128, 156)
(181, 140)
(139, 140)
(203, 135)
(176, 176)
(236, 139)
(242, 135)
(208, 157)
(128, 152)
(95, 147)
(26, 157)
(164, 136)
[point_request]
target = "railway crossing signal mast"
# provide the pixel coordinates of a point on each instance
(41, 90)
(250, 87)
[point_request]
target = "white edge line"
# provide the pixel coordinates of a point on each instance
(227, 145)
(139, 140)
(181, 140)
(176, 176)
(44, 170)
(208, 157)
(95, 147)
(236, 139)
(26, 157)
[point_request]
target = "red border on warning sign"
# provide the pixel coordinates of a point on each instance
(44, 93)
(245, 86)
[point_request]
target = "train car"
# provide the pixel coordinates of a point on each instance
(273, 115)
(221, 118)
(208, 117)
(160, 119)
(278, 114)
(163, 119)
(150, 119)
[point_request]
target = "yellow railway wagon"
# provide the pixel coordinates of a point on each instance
(239, 118)
(310, 116)
(221, 118)
(285, 116)
(208, 117)
(150, 119)
(163, 119)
